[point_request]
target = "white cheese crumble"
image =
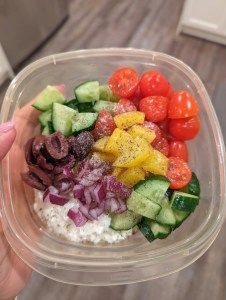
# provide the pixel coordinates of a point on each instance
(56, 219)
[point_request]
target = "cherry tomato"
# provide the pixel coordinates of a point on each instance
(124, 105)
(179, 174)
(153, 83)
(154, 107)
(155, 128)
(123, 82)
(161, 145)
(184, 129)
(182, 105)
(164, 126)
(178, 149)
(104, 126)
(170, 92)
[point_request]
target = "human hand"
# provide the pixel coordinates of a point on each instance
(13, 272)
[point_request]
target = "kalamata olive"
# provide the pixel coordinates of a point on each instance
(44, 178)
(41, 161)
(67, 162)
(38, 144)
(33, 181)
(81, 145)
(63, 183)
(30, 159)
(57, 145)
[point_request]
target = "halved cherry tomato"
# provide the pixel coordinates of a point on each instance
(178, 149)
(136, 97)
(182, 105)
(104, 126)
(153, 83)
(124, 105)
(184, 129)
(154, 107)
(155, 128)
(179, 173)
(161, 145)
(123, 82)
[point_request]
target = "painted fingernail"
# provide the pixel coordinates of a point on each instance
(5, 127)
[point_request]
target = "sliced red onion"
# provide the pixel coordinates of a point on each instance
(51, 189)
(99, 193)
(122, 206)
(85, 211)
(77, 217)
(112, 205)
(87, 196)
(78, 191)
(57, 199)
(100, 208)
(93, 212)
(68, 172)
(113, 185)
(63, 183)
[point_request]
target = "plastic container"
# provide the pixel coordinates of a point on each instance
(134, 259)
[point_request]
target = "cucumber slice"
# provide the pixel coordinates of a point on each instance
(48, 129)
(83, 121)
(45, 117)
(183, 201)
(154, 188)
(62, 118)
(85, 107)
(193, 187)
(166, 215)
(106, 94)
(104, 105)
(47, 97)
(152, 230)
(87, 91)
(125, 220)
(180, 217)
(143, 206)
(72, 104)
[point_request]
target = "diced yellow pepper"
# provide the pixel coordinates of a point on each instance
(100, 144)
(141, 131)
(134, 155)
(156, 163)
(106, 156)
(118, 141)
(132, 176)
(128, 119)
(117, 171)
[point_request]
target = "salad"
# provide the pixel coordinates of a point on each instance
(114, 158)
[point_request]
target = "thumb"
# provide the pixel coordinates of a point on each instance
(7, 137)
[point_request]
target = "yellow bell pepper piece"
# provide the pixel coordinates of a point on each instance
(156, 163)
(117, 171)
(135, 153)
(106, 156)
(145, 133)
(118, 141)
(100, 144)
(132, 176)
(128, 119)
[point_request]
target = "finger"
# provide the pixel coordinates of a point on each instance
(7, 137)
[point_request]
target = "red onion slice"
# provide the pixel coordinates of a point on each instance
(77, 217)
(87, 196)
(99, 193)
(51, 189)
(57, 199)
(78, 191)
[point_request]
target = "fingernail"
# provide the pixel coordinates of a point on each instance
(5, 127)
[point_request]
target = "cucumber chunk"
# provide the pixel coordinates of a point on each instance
(45, 117)
(87, 91)
(106, 94)
(48, 129)
(193, 187)
(183, 201)
(152, 230)
(83, 121)
(47, 97)
(72, 104)
(85, 107)
(154, 188)
(166, 215)
(143, 206)
(180, 217)
(125, 220)
(104, 105)
(62, 118)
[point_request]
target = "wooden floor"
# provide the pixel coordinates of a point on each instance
(149, 24)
